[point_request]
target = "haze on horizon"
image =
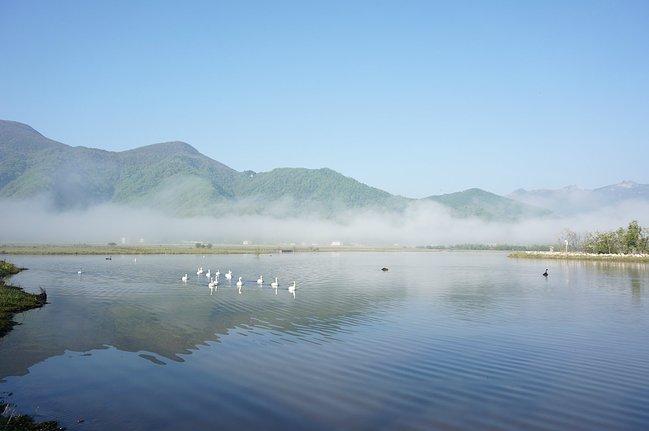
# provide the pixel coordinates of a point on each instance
(416, 98)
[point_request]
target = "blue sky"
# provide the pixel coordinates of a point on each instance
(416, 98)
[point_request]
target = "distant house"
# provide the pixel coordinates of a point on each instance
(246, 242)
(336, 243)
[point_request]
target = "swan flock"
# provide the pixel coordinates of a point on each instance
(213, 281)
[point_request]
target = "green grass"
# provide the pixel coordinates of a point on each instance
(8, 268)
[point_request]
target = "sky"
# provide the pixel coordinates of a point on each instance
(416, 98)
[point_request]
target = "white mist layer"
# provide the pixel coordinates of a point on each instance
(421, 224)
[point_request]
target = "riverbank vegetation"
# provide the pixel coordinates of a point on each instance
(13, 299)
(631, 240)
(630, 244)
(634, 239)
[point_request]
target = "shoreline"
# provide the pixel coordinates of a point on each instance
(87, 249)
(558, 255)
(14, 300)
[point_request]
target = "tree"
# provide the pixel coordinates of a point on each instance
(574, 242)
(633, 238)
(630, 240)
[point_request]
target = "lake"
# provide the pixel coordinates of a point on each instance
(444, 340)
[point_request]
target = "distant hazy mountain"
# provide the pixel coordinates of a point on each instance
(574, 200)
(489, 206)
(176, 178)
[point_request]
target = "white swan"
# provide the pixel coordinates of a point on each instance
(208, 274)
(228, 275)
(217, 274)
(199, 271)
(212, 285)
(291, 289)
(274, 284)
(184, 278)
(79, 272)
(260, 280)
(239, 283)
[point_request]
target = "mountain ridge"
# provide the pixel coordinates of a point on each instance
(175, 177)
(571, 200)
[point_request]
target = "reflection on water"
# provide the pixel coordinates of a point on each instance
(442, 340)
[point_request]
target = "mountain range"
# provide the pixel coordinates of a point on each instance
(175, 178)
(572, 200)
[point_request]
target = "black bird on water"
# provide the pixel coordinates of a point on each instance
(545, 274)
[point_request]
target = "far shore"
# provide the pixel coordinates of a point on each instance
(109, 250)
(643, 258)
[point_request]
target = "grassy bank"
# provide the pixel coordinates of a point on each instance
(13, 299)
(86, 249)
(8, 268)
(581, 256)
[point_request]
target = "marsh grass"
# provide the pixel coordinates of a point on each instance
(8, 268)
(15, 300)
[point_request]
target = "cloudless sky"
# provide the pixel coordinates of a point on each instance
(416, 98)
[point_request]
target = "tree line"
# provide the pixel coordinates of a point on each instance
(634, 239)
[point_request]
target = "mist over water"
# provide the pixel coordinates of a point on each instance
(421, 223)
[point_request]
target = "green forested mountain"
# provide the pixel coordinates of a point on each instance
(176, 178)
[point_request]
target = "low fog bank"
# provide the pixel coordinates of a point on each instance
(422, 223)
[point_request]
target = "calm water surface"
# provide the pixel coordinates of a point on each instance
(441, 341)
